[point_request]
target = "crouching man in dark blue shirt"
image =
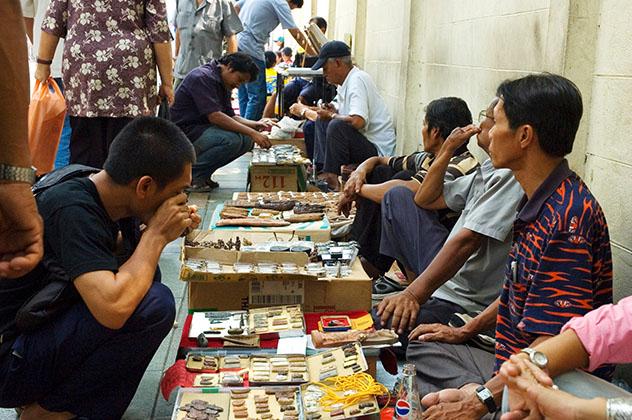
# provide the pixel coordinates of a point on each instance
(88, 359)
(203, 110)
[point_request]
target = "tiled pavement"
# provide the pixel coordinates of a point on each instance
(148, 402)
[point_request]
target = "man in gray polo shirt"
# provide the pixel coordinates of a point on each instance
(467, 273)
(259, 18)
(201, 27)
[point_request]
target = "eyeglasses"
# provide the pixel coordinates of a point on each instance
(483, 115)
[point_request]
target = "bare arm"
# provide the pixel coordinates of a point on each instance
(375, 192)
(14, 87)
(28, 23)
(236, 124)
(268, 111)
(231, 44)
(357, 179)
(483, 321)
(240, 125)
(302, 40)
(565, 352)
(177, 42)
(356, 121)
(164, 61)
(251, 125)
(467, 402)
(430, 195)
(299, 109)
(402, 308)
(113, 297)
(48, 44)
(21, 229)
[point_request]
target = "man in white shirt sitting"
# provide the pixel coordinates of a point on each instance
(356, 125)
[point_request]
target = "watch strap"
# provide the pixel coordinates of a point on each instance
(17, 174)
(487, 398)
(42, 61)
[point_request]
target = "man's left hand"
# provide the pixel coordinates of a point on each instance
(401, 309)
(297, 109)
(344, 205)
(324, 114)
(166, 91)
(454, 404)
(440, 333)
(264, 124)
(195, 217)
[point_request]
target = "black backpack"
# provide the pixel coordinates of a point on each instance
(57, 293)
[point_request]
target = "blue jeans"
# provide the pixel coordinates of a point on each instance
(63, 151)
(77, 365)
(252, 96)
(216, 148)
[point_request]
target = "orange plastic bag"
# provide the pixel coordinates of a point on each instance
(47, 111)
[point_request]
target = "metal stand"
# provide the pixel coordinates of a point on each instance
(305, 72)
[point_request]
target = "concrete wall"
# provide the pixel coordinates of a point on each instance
(420, 50)
(608, 169)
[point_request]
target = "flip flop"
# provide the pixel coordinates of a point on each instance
(385, 286)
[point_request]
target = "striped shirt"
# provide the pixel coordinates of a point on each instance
(419, 163)
(560, 263)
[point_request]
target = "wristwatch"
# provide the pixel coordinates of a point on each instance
(17, 174)
(486, 397)
(42, 61)
(537, 357)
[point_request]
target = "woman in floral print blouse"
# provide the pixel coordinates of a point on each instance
(109, 66)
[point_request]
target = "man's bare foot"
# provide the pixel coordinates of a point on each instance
(37, 412)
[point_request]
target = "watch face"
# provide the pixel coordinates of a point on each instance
(540, 359)
(485, 393)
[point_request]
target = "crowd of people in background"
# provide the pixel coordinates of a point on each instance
(507, 264)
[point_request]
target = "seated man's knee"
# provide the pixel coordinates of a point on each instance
(158, 308)
(399, 194)
(380, 174)
(337, 126)
(237, 144)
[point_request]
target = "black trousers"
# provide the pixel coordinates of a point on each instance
(309, 130)
(75, 364)
(367, 225)
(342, 144)
(91, 138)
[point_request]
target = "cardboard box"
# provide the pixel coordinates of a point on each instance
(319, 231)
(271, 178)
(297, 142)
(239, 291)
(351, 293)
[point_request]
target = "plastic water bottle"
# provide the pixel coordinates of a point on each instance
(407, 406)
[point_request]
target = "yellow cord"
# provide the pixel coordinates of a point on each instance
(362, 384)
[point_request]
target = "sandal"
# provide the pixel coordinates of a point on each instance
(385, 286)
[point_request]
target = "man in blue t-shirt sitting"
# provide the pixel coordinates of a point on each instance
(203, 110)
